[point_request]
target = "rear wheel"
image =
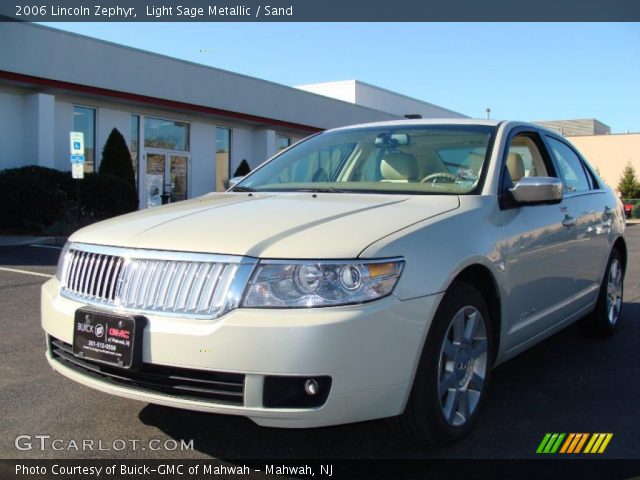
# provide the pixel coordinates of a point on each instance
(605, 318)
(453, 372)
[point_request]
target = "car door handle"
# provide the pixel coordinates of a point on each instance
(608, 212)
(569, 221)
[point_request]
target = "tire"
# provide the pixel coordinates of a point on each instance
(605, 318)
(453, 372)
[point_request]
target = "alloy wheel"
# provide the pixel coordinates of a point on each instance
(463, 365)
(614, 291)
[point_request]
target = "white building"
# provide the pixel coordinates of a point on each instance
(188, 126)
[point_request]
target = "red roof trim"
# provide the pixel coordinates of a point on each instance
(46, 82)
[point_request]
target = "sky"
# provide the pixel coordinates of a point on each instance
(521, 71)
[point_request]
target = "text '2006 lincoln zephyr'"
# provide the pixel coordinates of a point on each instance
(372, 271)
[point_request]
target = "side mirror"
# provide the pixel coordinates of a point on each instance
(537, 190)
(234, 181)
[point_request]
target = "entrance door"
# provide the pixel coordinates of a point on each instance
(166, 177)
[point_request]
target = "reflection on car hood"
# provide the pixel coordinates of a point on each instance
(269, 225)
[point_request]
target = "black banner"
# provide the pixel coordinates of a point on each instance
(317, 469)
(319, 10)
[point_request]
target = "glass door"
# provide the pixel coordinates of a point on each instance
(178, 177)
(166, 177)
(155, 178)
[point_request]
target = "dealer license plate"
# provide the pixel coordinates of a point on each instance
(107, 337)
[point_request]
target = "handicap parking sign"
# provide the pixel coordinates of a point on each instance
(77, 143)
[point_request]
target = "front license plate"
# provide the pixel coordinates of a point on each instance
(107, 337)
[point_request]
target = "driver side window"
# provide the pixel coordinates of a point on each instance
(524, 159)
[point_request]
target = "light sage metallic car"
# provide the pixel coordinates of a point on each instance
(372, 271)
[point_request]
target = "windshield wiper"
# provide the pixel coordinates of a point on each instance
(324, 190)
(240, 188)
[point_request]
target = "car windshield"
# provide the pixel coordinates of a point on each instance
(443, 159)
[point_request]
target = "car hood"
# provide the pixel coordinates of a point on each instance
(269, 225)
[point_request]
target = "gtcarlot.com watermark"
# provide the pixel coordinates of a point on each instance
(47, 442)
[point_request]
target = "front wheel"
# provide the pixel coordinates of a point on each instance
(454, 370)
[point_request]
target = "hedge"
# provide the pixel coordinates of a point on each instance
(43, 200)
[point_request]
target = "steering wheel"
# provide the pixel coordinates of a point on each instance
(440, 177)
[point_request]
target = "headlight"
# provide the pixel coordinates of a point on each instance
(62, 264)
(283, 284)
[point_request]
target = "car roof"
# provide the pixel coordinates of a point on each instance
(425, 122)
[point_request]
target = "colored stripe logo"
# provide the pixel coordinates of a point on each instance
(574, 443)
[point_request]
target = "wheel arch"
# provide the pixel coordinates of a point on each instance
(481, 277)
(621, 246)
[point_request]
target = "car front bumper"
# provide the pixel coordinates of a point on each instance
(370, 351)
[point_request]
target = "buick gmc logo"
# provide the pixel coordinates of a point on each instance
(99, 331)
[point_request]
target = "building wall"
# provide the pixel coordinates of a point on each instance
(610, 153)
(11, 126)
(585, 126)
(62, 56)
(361, 93)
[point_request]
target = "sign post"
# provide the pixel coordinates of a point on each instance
(76, 148)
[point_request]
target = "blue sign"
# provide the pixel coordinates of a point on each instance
(76, 146)
(77, 158)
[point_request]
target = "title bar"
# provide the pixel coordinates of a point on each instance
(318, 10)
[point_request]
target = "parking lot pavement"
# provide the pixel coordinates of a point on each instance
(568, 383)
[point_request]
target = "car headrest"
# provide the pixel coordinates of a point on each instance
(399, 166)
(515, 165)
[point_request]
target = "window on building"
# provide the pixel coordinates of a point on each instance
(134, 143)
(283, 142)
(166, 134)
(84, 120)
(223, 157)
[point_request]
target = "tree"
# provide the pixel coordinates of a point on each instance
(243, 169)
(116, 159)
(628, 185)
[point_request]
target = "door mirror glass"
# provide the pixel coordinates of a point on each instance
(537, 190)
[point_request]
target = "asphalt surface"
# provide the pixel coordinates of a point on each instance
(568, 383)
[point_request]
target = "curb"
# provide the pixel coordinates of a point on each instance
(17, 241)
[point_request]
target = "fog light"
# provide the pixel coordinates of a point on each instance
(311, 387)
(295, 392)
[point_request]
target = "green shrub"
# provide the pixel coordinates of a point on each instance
(33, 198)
(116, 158)
(243, 169)
(37, 200)
(636, 210)
(104, 196)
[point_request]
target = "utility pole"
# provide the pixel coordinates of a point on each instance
(488, 112)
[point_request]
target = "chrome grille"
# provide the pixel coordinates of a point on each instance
(198, 285)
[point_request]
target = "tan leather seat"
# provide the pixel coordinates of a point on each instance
(399, 167)
(515, 166)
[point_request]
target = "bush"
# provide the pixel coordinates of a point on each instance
(636, 210)
(243, 169)
(33, 198)
(116, 158)
(36, 200)
(104, 196)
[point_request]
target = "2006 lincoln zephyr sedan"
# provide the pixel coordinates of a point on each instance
(372, 271)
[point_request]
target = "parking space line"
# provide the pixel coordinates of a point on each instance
(25, 272)
(45, 246)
